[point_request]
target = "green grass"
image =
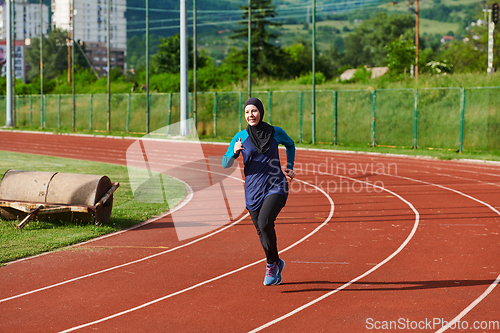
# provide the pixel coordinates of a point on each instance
(435, 27)
(38, 237)
(438, 126)
(438, 112)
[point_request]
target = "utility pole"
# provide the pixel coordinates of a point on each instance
(491, 28)
(492, 20)
(314, 74)
(41, 58)
(13, 66)
(69, 43)
(416, 40)
(73, 62)
(195, 53)
(249, 48)
(184, 70)
(9, 120)
(108, 61)
(147, 66)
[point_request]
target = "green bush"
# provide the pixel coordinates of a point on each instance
(307, 79)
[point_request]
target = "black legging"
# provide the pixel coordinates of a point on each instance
(263, 220)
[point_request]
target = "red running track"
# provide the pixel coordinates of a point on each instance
(368, 240)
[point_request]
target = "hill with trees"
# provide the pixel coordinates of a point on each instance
(381, 34)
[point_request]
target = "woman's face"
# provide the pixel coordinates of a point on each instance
(252, 115)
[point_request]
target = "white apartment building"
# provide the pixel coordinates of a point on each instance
(90, 21)
(26, 20)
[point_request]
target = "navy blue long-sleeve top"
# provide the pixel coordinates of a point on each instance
(263, 174)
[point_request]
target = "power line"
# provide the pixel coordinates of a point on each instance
(216, 22)
(280, 8)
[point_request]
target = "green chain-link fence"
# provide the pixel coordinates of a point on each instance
(448, 118)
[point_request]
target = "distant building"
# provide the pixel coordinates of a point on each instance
(91, 28)
(97, 53)
(26, 22)
(446, 39)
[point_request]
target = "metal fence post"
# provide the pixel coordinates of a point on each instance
(335, 117)
(91, 111)
(74, 111)
(31, 111)
(169, 108)
(300, 117)
(215, 115)
(191, 102)
(374, 118)
(148, 112)
(18, 116)
(58, 111)
(462, 120)
(43, 111)
(127, 124)
(415, 120)
(270, 100)
(240, 105)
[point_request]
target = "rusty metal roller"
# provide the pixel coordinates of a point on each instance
(50, 189)
(73, 189)
(22, 185)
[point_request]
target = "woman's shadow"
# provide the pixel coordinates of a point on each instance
(384, 286)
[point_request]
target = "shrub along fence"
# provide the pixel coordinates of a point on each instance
(447, 118)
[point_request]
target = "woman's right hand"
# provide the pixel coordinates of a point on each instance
(238, 146)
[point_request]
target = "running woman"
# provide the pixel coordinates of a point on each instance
(266, 186)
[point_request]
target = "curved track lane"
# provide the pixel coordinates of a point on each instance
(439, 272)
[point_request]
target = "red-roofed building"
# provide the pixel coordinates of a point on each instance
(446, 39)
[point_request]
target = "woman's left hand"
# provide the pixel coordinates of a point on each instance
(290, 173)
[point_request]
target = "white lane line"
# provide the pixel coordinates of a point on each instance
(123, 265)
(492, 286)
(399, 249)
(188, 197)
(497, 280)
(332, 208)
(454, 320)
(406, 160)
(470, 307)
(183, 203)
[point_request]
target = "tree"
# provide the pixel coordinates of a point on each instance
(299, 60)
(367, 45)
(136, 46)
(471, 54)
(55, 56)
(267, 58)
(168, 58)
(400, 54)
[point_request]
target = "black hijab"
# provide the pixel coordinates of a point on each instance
(261, 134)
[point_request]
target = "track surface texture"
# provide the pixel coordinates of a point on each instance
(371, 242)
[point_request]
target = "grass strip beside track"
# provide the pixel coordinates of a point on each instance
(38, 237)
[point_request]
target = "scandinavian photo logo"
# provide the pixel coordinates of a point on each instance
(349, 177)
(169, 166)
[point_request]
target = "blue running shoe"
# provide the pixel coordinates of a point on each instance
(281, 266)
(271, 278)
